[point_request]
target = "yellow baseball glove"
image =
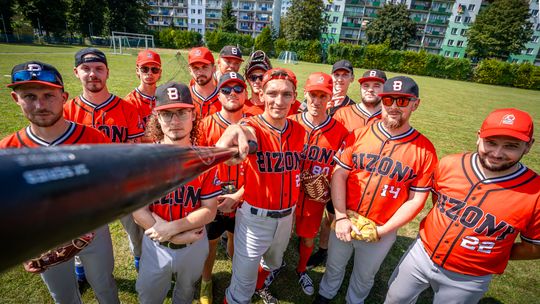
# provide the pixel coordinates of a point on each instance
(366, 227)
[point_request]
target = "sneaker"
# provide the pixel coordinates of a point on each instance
(321, 300)
(317, 259)
(136, 261)
(306, 283)
(273, 274)
(266, 296)
(206, 292)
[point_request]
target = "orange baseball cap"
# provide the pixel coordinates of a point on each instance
(319, 82)
(508, 122)
(200, 55)
(279, 73)
(148, 56)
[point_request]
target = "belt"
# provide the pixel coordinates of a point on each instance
(271, 213)
(173, 245)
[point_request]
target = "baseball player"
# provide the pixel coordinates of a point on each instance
(230, 59)
(325, 137)
(264, 221)
(175, 241)
(352, 117)
(383, 173)
(342, 76)
(38, 89)
(254, 71)
(482, 201)
(203, 86)
(148, 71)
(98, 108)
(232, 96)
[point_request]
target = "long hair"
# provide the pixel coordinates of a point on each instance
(154, 131)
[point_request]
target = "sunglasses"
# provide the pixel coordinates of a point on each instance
(228, 90)
(146, 69)
(167, 115)
(256, 77)
(400, 101)
(46, 76)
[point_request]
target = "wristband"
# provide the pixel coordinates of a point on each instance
(343, 218)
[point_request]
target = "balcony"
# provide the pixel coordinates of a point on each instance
(213, 16)
(437, 21)
(351, 24)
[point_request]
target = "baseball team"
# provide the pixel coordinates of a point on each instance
(371, 162)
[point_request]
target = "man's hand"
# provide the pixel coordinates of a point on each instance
(28, 266)
(227, 203)
(343, 229)
(188, 237)
(161, 230)
(236, 136)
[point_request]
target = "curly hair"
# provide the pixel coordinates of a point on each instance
(154, 131)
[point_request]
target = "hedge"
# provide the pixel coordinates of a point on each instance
(216, 40)
(489, 71)
(178, 39)
(307, 50)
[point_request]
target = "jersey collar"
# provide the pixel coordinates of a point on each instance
(360, 108)
(62, 138)
(313, 127)
(478, 172)
(212, 95)
(150, 98)
(407, 133)
(94, 106)
(271, 127)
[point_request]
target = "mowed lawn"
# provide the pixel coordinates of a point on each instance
(450, 114)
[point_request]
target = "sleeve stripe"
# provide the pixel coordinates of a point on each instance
(210, 195)
(135, 135)
(528, 240)
(420, 189)
(342, 164)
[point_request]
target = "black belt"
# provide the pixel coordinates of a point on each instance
(271, 213)
(173, 245)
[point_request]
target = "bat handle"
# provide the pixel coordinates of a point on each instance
(252, 146)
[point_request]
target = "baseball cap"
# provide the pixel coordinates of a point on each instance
(36, 72)
(231, 77)
(319, 82)
(230, 51)
(373, 75)
(509, 122)
(279, 73)
(173, 95)
(258, 60)
(148, 56)
(200, 55)
(400, 86)
(89, 55)
(343, 65)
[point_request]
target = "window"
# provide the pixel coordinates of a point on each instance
(192, 21)
(454, 31)
(447, 54)
(450, 42)
(192, 2)
(471, 7)
(336, 8)
(334, 30)
(534, 13)
(538, 27)
(463, 32)
(458, 19)
(467, 20)
(515, 60)
(530, 51)
(335, 19)
(199, 12)
(534, 39)
(460, 43)
(328, 7)
(456, 54)
(192, 11)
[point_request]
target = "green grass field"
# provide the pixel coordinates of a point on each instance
(450, 113)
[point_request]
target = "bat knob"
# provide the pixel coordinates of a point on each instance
(252, 146)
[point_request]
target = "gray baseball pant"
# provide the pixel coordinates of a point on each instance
(135, 234)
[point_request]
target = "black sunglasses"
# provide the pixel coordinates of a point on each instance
(255, 77)
(146, 69)
(400, 101)
(228, 90)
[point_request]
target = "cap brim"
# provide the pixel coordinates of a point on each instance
(147, 62)
(397, 94)
(257, 67)
(232, 80)
(232, 57)
(342, 68)
(318, 88)
(504, 132)
(178, 105)
(365, 79)
(204, 61)
(11, 85)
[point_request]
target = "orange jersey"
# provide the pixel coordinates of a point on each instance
(354, 116)
(116, 118)
(214, 126)
(144, 104)
(383, 169)
(272, 173)
(252, 110)
(187, 198)
(75, 134)
(205, 106)
(323, 142)
(475, 220)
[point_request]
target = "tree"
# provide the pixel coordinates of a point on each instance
(128, 15)
(45, 15)
(305, 20)
(6, 12)
(264, 41)
(228, 19)
(393, 24)
(87, 17)
(501, 29)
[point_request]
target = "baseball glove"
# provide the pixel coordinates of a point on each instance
(367, 227)
(62, 253)
(315, 186)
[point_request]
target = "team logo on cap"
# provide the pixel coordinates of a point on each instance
(508, 119)
(148, 55)
(234, 51)
(398, 84)
(198, 52)
(321, 80)
(372, 73)
(32, 67)
(173, 93)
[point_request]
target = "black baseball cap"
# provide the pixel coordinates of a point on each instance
(36, 72)
(173, 95)
(343, 65)
(96, 55)
(230, 51)
(400, 86)
(373, 75)
(231, 77)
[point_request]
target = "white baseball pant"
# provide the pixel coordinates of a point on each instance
(416, 272)
(135, 234)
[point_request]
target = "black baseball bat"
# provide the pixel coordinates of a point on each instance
(52, 195)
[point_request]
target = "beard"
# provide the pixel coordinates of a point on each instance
(494, 168)
(233, 108)
(44, 123)
(392, 124)
(203, 80)
(371, 102)
(94, 87)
